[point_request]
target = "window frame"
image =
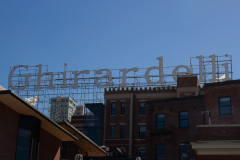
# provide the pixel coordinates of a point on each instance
(142, 135)
(122, 130)
(29, 132)
(161, 153)
(187, 151)
(123, 108)
(160, 122)
(112, 132)
(219, 106)
(113, 108)
(141, 108)
(142, 153)
(183, 120)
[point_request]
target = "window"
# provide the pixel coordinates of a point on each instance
(184, 151)
(183, 121)
(142, 132)
(142, 153)
(160, 121)
(123, 108)
(113, 109)
(225, 105)
(121, 131)
(112, 132)
(28, 138)
(142, 109)
(160, 151)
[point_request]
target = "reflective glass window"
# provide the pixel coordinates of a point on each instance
(123, 108)
(142, 109)
(225, 105)
(142, 132)
(113, 105)
(160, 121)
(112, 132)
(183, 119)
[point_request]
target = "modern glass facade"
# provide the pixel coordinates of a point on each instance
(93, 122)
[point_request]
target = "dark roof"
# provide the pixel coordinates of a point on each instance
(175, 99)
(83, 136)
(18, 104)
(222, 83)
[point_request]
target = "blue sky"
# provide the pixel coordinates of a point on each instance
(116, 34)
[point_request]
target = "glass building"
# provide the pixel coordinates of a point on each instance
(93, 122)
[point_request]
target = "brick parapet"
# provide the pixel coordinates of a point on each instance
(144, 90)
(218, 132)
(140, 90)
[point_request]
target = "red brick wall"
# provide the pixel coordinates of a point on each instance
(116, 120)
(187, 81)
(172, 135)
(219, 133)
(212, 102)
(49, 147)
(8, 132)
(138, 119)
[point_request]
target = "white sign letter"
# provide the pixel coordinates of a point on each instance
(76, 77)
(64, 79)
(160, 68)
(174, 73)
(213, 68)
(200, 69)
(135, 69)
(26, 78)
(226, 72)
(109, 75)
(40, 76)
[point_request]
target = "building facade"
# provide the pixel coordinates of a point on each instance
(185, 122)
(126, 117)
(62, 108)
(219, 138)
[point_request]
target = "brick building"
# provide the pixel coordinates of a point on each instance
(221, 139)
(183, 122)
(171, 126)
(126, 118)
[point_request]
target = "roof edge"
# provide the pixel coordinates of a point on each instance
(83, 135)
(37, 111)
(175, 99)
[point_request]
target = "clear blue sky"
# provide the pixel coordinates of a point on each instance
(116, 34)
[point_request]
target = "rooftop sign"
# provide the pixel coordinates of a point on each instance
(107, 74)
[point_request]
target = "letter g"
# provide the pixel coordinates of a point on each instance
(26, 78)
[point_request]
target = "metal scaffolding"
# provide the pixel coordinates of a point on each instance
(88, 92)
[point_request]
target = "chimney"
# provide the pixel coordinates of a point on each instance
(187, 85)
